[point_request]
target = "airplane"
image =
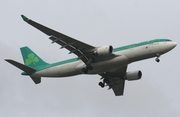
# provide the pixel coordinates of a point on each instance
(108, 62)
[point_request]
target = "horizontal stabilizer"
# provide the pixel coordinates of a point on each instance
(36, 80)
(21, 66)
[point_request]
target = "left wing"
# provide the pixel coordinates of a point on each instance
(82, 50)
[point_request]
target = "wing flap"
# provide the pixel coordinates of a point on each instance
(70, 47)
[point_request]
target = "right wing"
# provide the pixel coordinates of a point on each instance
(82, 50)
(115, 80)
(117, 85)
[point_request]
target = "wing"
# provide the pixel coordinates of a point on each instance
(117, 85)
(82, 50)
(115, 80)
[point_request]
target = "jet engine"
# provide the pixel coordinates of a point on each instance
(134, 75)
(104, 50)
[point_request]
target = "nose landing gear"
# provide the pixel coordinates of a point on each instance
(157, 59)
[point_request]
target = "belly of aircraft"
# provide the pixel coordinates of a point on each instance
(76, 68)
(109, 65)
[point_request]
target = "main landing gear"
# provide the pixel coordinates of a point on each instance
(101, 84)
(88, 66)
(106, 80)
(157, 59)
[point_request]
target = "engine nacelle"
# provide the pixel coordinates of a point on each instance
(104, 50)
(135, 75)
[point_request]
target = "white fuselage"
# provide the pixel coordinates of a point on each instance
(121, 58)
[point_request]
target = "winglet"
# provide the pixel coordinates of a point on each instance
(24, 18)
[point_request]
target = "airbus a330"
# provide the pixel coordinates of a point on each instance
(108, 62)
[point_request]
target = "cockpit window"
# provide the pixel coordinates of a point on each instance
(161, 40)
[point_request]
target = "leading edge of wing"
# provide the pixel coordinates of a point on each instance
(40, 27)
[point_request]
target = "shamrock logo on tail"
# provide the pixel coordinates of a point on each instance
(31, 59)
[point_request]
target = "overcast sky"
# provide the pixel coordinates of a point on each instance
(99, 23)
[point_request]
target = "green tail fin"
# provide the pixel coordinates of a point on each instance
(30, 58)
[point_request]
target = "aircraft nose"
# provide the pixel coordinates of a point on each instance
(169, 46)
(173, 44)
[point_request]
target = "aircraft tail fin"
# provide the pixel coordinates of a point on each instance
(30, 58)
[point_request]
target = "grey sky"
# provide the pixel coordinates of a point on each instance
(98, 23)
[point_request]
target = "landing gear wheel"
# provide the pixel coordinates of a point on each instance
(101, 84)
(84, 70)
(90, 67)
(157, 60)
(158, 55)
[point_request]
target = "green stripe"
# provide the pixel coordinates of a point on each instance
(140, 44)
(65, 61)
(42, 67)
